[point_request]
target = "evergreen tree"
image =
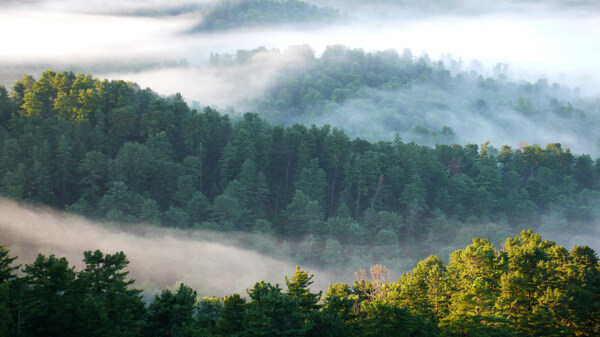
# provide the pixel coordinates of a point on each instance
(272, 313)
(298, 287)
(171, 314)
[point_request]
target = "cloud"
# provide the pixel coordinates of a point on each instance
(212, 263)
(225, 85)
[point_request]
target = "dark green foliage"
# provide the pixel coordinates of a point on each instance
(109, 292)
(6, 268)
(109, 150)
(382, 319)
(52, 299)
(232, 320)
(171, 314)
(49, 299)
(7, 300)
(272, 313)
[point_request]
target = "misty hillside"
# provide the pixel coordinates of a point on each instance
(232, 14)
(110, 150)
(196, 151)
(376, 95)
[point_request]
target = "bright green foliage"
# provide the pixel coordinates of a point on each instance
(474, 273)
(298, 287)
(530, 287)
(424, 290)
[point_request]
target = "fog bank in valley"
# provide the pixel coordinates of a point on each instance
(160, 257)
(211, 262)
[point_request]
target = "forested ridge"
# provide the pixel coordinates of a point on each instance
(300, 168)
(530, 287)
(377, 94)
(110, 150)
(233, 14)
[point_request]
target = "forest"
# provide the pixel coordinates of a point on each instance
(377, 94)
(299, 168)
(530, 287)
(112, 151)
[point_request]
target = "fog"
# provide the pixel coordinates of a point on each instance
(148, 42)
(497, 120)
(216, 264)
(236, 85)
(211, 263)
(543, 39)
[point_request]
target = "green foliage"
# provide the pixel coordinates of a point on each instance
(232, 320)
(171, 314)
(530, 287)
(7, 277)
(272, 313)
(298, 287)
(109, 150)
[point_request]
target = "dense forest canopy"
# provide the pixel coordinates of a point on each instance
(110, 150)
(530, 287)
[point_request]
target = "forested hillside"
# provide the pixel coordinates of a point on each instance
(232, 14)
(110, 150)
(376, 95)
(530, 287)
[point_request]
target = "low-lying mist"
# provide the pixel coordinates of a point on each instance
(420, 112)
(208, 262)
(219, 263)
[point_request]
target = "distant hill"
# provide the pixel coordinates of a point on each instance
(377, 95)
(255, 13)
